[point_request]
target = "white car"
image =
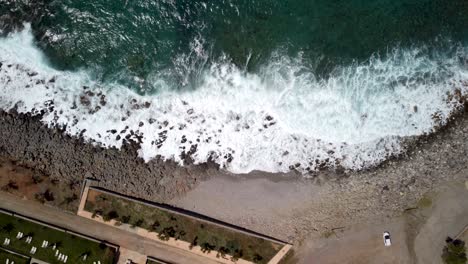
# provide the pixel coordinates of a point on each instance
(386, 239)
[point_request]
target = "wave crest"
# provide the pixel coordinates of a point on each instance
(276, 120)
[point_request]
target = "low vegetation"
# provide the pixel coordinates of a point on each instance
(209, 237)
(454, 252)
(5, 255)
(424, 202)
(74, 247)
(34, 185)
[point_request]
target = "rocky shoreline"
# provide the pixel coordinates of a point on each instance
(339, 197)
(25, 140)
(309, 207)
(398, 184)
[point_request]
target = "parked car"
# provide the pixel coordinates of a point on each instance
(386, 239)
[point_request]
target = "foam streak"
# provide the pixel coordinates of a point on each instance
(279, 119)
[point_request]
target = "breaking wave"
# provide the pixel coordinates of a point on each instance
(281, 118)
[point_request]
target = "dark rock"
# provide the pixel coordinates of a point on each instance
(102, 100)
(85, 100)
(25, 139)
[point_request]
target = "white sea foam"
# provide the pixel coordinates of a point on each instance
(280, 118)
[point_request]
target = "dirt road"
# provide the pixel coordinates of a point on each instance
(448, 216)
(361, 244)
(418, 236)
(91, 228)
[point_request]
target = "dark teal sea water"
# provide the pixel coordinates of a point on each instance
(273, 85)
(122, 39)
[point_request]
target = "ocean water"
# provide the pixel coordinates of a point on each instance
(252, 85)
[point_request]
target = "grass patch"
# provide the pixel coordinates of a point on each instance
(73, 246)
(454, 252)
(208, 236)
(424, 202)
(5, 255)
(35, 186)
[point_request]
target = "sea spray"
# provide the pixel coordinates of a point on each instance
(281, 118)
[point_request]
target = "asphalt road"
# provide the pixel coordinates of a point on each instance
(99, 231)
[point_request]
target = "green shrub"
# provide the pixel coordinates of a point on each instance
(194, 243)
(110, 215)
(8, 228)
(49, 196)
(222, 252)
(154, 227)
(238, 254)
(97, 212)
(454, 252)
(125, 219)
(207, 247)
(167, 233)
(257, 258)
(180, 234)
(138, 223)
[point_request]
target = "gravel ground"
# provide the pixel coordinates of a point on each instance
(283, 205)
(294, 208)
(27, 142)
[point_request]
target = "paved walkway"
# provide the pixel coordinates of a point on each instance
(135, 257)
(100, 231)
(213, 255)
(280, 255)
(182, 245)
